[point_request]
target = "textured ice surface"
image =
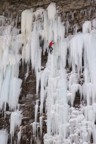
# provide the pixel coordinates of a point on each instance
(68, 78)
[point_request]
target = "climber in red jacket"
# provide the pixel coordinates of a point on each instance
(50, 46)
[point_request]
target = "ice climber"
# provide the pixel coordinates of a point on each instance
(51, 46)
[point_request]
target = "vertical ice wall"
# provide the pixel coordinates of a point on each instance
(53, 80)
(9, 70)
(58, 90)
(72, 58)
(10, 83)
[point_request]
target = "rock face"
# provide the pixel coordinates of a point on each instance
(72, 12)
(42, 2)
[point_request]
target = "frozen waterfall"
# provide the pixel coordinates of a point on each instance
(69, 74)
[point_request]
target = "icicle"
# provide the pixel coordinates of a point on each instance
(61, 29)
(51, 11)
(3, 137)
(26, 24)
(45, 26)
(55, 30)
(76, 51)
(41, 125)
(87, 27)
(36, 110)
(5, 88)
(35, 51)
(94, 134)
(15, 121)
(15, 88)
(2, 20)
(94, 23)
(27, 73)
(86, 75)
(44, 79)
(19, 136)
(63, 51)
(38, 77)
(34, 125)
(28, 53)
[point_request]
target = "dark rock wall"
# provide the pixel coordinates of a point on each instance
(73, 12)
(43, 2)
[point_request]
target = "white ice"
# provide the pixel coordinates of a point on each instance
(51, 11)
(15, 120)
(57, 84)
(3, 136)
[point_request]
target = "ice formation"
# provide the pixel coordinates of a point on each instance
(26, 24)
(19, 135)
(94, 23)
(10, 83)
(69, 69)
(15, 121)
(3, 136)
(87, 27)
(39, 12)
(51, 11)
(58, 85)
(76, 51)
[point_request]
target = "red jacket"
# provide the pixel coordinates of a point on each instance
(51, 44)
